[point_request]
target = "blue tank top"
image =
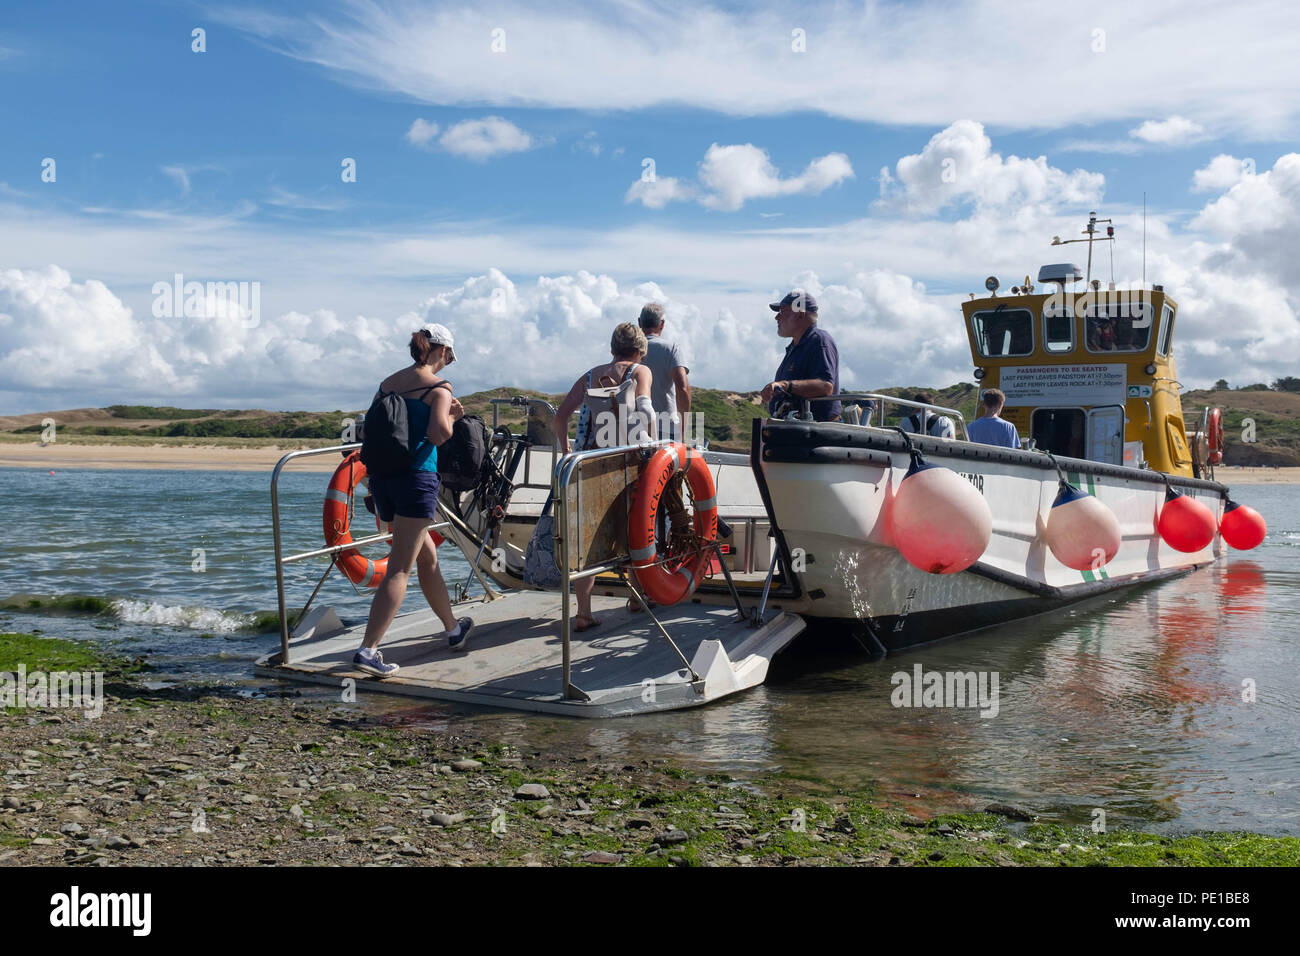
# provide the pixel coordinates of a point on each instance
(426, 452)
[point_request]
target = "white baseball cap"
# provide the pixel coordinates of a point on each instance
(441, 335)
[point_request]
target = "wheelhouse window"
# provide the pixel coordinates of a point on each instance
(1166, 329)
(1004, 331)
(1123, 326)
(1058, 327)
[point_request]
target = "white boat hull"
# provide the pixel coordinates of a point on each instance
(830, 488)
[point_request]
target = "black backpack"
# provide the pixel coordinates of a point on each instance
(387, 445)
(461, 458)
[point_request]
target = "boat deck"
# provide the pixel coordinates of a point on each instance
(624, 667)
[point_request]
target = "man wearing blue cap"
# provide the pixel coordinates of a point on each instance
(811, 367)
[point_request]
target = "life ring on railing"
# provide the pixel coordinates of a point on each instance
(1215, 436)
(662, 583)
(338, 520)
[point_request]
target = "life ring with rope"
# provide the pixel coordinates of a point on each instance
(1214, 436)
(663, 580)
(338, 525)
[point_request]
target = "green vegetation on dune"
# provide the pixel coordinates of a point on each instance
(266, 425)
(276, 425)
(160, 411)
(1273, 413)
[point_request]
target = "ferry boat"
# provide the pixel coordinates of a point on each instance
(1092, 389)
(848, 527)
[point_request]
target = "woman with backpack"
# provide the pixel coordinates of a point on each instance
(621, 389)
(409, 499)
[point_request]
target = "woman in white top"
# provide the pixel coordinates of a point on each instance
(628, 348)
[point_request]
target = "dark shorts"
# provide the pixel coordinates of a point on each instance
(413, 495)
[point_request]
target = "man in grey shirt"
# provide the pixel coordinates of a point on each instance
(670, 392)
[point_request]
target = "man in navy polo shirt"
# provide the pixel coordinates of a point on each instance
(811, 367)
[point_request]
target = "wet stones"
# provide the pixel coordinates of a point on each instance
(446, 819)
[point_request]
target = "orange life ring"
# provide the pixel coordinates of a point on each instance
(1215, 436)
(661, 583)
(338, 519)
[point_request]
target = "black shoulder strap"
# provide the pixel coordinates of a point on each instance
(426, 390)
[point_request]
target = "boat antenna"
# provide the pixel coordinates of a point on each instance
(1090, 236)
(1144, 239)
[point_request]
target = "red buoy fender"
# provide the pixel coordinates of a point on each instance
(1185, 524)
(1242, 527)
(661, 583)
(338, 520)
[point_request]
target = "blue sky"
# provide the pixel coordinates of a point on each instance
(225, 165)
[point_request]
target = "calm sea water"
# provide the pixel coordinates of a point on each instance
(1131, 704)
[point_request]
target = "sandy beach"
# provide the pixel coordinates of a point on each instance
(1257, 476)
(155, 456)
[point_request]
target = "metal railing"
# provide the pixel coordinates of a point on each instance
(544, 411)
(879, 401)
(566, 471)
(568, 497)
(281, 559)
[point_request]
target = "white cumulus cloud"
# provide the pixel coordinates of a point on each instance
(730, 176)
(421, 133)
(1220, 173)
(734, 174)
(482, 139)
(958, 165)
(659, 191)
(1175, 131)
(546, 311)
(54, 331)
